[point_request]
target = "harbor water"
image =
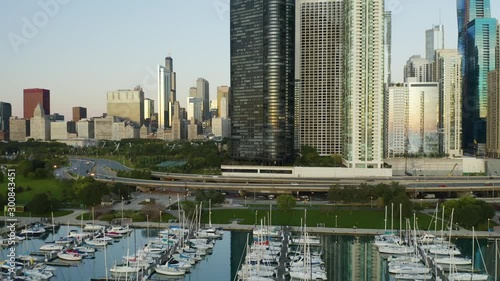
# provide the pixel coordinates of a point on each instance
(345, 257)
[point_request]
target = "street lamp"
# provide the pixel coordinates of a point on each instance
(245, 200)
(489, 224)
(256, 217)
(371, 201)
(159, 224)
(335, 221)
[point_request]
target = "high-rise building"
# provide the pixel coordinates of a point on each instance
(19, 129)
(319, 26)
(5, 114)
(413, 119)
(418, 69)
(166, 93)
(193, 92)
(476, 43)
(202, 88)
(364, 83)
(127, 104)
(448, 73)
(33, 97)
(79, 113)
(223, 92)
(493, 118)
(262, 36)
(434, 40)
(39, 124)
(149, 108)
(195, 109)
(387, 73)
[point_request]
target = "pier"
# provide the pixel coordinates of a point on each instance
(281, 271)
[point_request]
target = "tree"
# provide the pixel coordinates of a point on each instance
(286, 202)
(88, 191)
(40, 204)
(153, 210)
(469, 211)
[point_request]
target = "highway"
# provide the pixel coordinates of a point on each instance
(104, 170)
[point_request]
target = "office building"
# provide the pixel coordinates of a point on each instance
(320, 26)
(79, 113)
(166, 93)
(33, 97)
(262, 35)
(203, 92)
(85, 129)
(493, 118)
(448, 73)
(58, 131)
(434, 40)
(103, 127)
(387, 73)
(195, 109)
(414, 120)
(56, 117)
(5, 114)
(40, 125)
(364, 102)
(19, 129)
(221, 127)
(127, 104)
(223, 92)
(418, 69)
(125, 129)
(476, 43)
(149, 108)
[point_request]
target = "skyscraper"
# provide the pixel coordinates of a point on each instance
(387, 74)
(223, 92)
(364, 83)
(79, 113)
(418, 69)
(434, 40)
(202, 88)
(448, 73)
(262, 36)
(166, 93)
(476, 43)
(320, 26)
(127, 104)
(5, 114)
(33, 97)
(149, 108)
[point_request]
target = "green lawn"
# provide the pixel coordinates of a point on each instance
(362, 218)
(51, 185)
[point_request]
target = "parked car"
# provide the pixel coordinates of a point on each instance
(442, 185)
(488, 184)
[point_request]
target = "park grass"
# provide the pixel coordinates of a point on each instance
(359, 218)
(50, 185)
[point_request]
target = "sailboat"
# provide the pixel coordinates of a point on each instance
(469, 276)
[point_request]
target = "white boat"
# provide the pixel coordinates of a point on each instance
(38, 274)
(33, 231)
(122, 270)
(444, 250)
(404, 258)
(92, 227)
(69, 256)
(458, 276)
(454, 260)
(414, 277)
(121, 229)
(51, 247)
(298, 275)
(396, 250)
(42, 266)
(170, 271)
(408, 270)
(96, 243)
(83, 249)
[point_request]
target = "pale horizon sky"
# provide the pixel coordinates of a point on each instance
(80, 50)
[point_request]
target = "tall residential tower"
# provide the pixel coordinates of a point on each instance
(262, 36)
(364, 83)
(318, 66)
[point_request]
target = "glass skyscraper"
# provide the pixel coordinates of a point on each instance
(262, 35)
(476, 43)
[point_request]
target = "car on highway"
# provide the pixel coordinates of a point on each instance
(442, 185)
(488, 184)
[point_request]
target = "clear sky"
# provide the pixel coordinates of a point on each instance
(82, 49)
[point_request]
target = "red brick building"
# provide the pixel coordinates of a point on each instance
(33, 97)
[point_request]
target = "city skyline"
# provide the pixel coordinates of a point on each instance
(99, 68)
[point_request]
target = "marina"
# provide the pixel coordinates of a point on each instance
(344, 257)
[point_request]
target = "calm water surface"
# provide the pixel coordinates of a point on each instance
(346, 257)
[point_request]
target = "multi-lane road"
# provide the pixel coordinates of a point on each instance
(105, 170)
